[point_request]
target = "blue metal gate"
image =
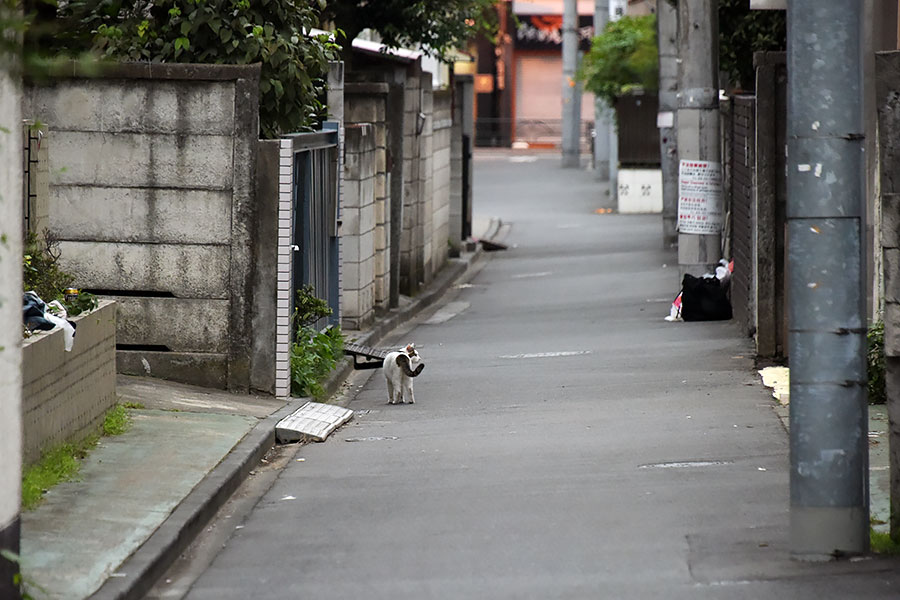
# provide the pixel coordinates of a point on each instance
(315, 219)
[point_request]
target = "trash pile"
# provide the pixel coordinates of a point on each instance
(43, 316)
(704, 298)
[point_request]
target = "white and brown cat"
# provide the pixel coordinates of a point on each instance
(400, 368)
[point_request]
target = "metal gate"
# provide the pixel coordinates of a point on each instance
(308, 240)
(315, 220)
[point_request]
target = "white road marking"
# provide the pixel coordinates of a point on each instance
(686, 464)
(447, 312)
(532, 275)
(547, 354)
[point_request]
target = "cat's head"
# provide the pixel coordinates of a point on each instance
(411, 350)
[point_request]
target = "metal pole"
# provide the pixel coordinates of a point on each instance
(826, 265)
(10, 324)
(602, 111)
(700, 215)
(667, 36)
(570, 118)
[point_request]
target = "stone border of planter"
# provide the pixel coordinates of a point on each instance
(66, 394)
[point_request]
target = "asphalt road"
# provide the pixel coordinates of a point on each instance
(566, 442)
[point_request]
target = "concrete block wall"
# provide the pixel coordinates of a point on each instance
(152, 196)
(66, 394)
(358, 306)
(442, 120)
(366, 103)
(426, 140)
(462, 133)
(411, 260)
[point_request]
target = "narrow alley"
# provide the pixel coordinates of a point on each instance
(566, 441)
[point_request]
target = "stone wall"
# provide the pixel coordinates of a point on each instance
(152, 196)
(358, 230)
(366, 103)
(442, 120)
(67, 394)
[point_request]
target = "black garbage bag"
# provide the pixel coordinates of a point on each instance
(704, 299)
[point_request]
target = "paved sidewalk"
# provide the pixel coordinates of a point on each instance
(143, 496)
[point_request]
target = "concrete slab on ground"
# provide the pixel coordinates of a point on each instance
(85, 529)
(313, 421)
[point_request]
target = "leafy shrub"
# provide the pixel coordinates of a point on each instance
(238, 32)
(875, 360)
(42, 274)
(314, 354)
(624, 57)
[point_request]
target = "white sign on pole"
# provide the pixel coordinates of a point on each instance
(700, 197)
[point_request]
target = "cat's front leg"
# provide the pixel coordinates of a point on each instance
(409, 393)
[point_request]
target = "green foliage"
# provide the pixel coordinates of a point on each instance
(42, 274)
(314, 355)
(270, 32)
(309, 308)
(117, 421)
(63, 462)
(57, 465)
(881, 543)
(41, 271)
(741, 33)
(623, 58)
(875, 360)
(437, 25)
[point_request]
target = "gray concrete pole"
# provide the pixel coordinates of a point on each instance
(667, 36)
(826, 265)
(10, 324)
(570, 118)
(616, 11)
(700, 214)
(603, 115)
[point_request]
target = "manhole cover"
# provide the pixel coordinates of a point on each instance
(377, 438)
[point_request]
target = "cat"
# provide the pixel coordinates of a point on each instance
(400, 367)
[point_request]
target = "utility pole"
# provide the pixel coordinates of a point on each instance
(700, 214)
(570, 104)
(616, 11)
(826, 265)
(10, 321)
(602, 112)
(667, 36)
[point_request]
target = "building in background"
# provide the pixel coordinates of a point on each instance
(518, 78)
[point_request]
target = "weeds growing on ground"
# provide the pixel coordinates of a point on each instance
(117, 421)
(63, 462)
(881, 543)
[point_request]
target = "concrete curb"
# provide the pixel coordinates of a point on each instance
(149, 562)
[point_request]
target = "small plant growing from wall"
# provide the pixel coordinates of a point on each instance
(875, 360)
(42, 274)
(314, 353)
